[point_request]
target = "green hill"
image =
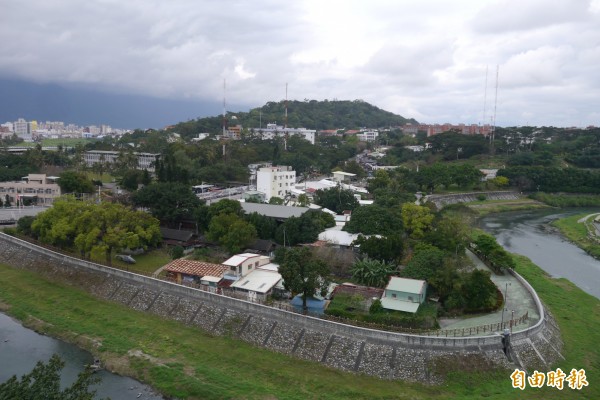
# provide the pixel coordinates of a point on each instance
(310, 114)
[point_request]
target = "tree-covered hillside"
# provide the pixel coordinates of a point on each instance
(310, 114)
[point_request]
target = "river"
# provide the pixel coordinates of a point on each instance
(527, 233)
(21, 348)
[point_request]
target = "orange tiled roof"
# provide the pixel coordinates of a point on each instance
(196, 268)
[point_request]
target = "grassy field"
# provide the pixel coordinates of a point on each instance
(484, 207)
(577, 233)
(187, 363)
(67, 142)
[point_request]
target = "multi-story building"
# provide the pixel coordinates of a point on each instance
(20, 127)
(145, 160)
(273, 130)
(275, 181)
(37, 188)
(367, 136)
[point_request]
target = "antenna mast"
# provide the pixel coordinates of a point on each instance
(224, 112)
(495, 106)
(485, 94)
(286, 104)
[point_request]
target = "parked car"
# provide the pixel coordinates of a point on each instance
(126, 258)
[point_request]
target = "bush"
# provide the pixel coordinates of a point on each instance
(376, 307)
(176, 252)
(481, 197)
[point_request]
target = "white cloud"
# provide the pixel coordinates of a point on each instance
(423, 59)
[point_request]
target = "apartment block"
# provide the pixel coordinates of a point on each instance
(275, 181)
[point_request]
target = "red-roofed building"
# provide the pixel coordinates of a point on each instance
(182, 270)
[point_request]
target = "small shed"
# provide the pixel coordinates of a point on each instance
(402, 294)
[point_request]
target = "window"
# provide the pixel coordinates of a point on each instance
(256, 264)
(393, 295)
(410, 298)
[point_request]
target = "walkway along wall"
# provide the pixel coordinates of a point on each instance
(387, 355)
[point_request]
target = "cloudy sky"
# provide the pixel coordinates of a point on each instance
(423, 59)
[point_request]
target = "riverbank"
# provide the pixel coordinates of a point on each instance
(574, 229)
(485, 207)
(185, 362)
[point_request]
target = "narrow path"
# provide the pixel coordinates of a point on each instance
(517, 299)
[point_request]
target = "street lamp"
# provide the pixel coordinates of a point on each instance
(512, 319)
(505, 303)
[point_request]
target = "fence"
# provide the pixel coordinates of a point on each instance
(286, 313)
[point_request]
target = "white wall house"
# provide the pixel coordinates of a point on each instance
(275, 181)
(368, 136)
(242, 264)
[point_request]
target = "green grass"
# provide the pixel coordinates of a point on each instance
(578, 234)
(66, 142)
(196, 365)
(484, 207)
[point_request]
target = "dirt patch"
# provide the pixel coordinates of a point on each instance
(4, 307)
(37, 324)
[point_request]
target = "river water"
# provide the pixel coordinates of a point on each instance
(528, 233)
(21, 348)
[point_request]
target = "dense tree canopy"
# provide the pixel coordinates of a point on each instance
(95, 229)
(375, 219)
(73, 182)
(336, 199)
(303, 274)
(231, 232)
(387, 248)
(168, 201)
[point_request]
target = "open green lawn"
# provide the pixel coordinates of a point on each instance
(577, 233)
(191, 364)
(145, 263)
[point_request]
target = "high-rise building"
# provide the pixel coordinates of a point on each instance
(20, 127)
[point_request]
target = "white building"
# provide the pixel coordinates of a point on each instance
(273, 130)
(368, 136)
(145, 160)
(275, 181)
(242, 264)
(20, 127)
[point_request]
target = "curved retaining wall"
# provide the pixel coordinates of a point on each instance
(384, 354)
(441, 200)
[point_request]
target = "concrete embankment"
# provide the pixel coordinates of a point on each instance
(386, 355)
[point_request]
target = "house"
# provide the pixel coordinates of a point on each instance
(488, 174)
(341, 176)
(258, 284)
(262, 247)
(178, 237)
(199, 272)
(242, 264)
(402, 294)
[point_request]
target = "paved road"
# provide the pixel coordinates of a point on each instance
(16, 213)
(517, 299)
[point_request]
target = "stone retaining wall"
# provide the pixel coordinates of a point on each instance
(441, 200)
(387, 355)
